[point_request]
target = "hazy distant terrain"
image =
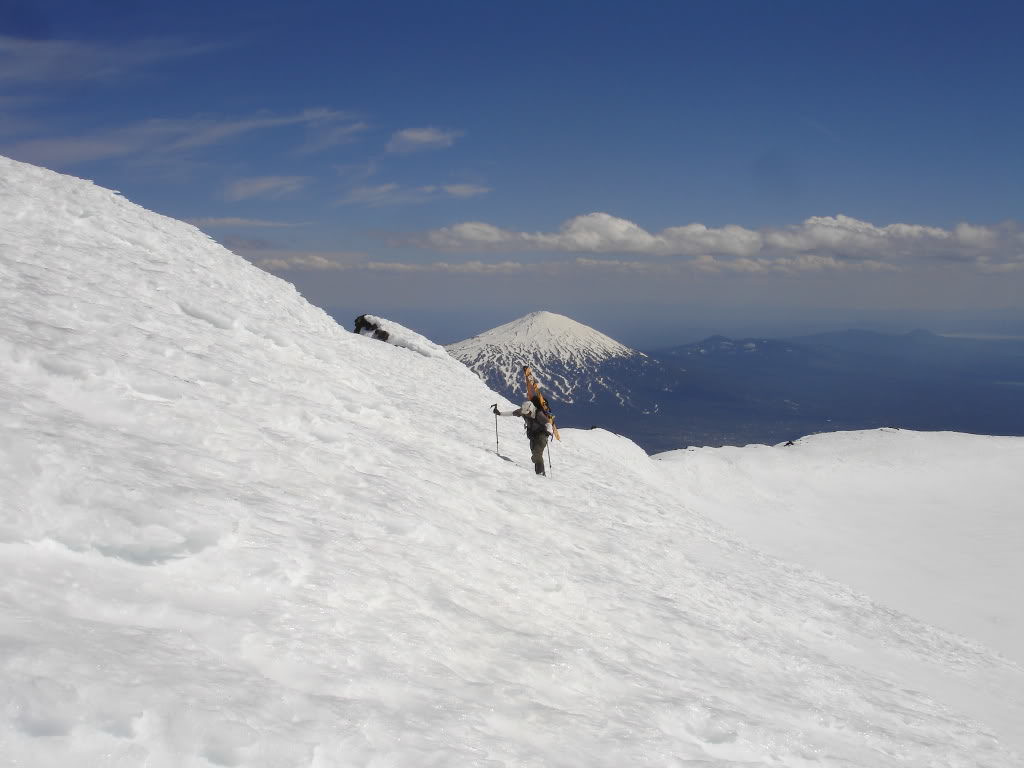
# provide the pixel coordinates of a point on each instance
(723, 391)
(738, 391)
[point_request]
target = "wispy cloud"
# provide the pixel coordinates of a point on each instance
(357, 172)
(272, 187)
(466, 267)
(819, 243)
(323, 137)
(285, 262)
(305, 262)
(380, 194)
(32, 62)
(296, 261)
(804, 262)
(710, 264)
(161, 137)
(273, 258)
(465, 190)
(396, 194)
(203, 133)
(418, 139)
(56, 153)
(234, 222)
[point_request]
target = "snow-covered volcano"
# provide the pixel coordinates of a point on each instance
(234, 534)
(574, 363)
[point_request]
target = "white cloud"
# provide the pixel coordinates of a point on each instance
(977, 237)
(819, 243)
(852, 238)
(229, 221)
(272, 187)
(599, 233)
(417, 139)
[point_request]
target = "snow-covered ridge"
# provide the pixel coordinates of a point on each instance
(233, 533)
(400, 336)
(564, 354)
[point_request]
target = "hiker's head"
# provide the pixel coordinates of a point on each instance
(527, 408)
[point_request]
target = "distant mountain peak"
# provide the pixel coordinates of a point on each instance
(543, 336)
(562, 352)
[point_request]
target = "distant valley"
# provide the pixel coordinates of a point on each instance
(774, 390)
(723, 391)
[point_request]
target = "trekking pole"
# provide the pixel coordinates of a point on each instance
(550, 465)
(496, 430)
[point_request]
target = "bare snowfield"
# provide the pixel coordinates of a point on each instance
(931, 524)
(234, 534)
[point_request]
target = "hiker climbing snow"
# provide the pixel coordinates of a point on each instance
(538, 429)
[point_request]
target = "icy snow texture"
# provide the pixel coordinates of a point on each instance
(234, 533)
(550, 344)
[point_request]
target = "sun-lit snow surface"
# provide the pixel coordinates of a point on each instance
(564, 354)
(928, 523)
(233, 533)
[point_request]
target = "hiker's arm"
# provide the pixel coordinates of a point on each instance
(544, 419)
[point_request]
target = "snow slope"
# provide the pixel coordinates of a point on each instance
(233, 533)
(928, 523)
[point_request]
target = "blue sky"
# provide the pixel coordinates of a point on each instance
(744, 167)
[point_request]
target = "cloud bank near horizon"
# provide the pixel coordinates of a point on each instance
(818, 243)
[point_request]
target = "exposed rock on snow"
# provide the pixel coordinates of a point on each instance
(400, 336)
